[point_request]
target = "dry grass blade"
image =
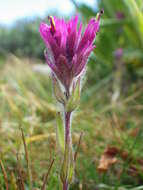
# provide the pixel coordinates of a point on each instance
(13, 182)
(46, 176)
(20, 174)
(27, 158)
(4, 174)
(77, 150)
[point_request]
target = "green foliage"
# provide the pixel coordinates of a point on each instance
(26, 100)
(22, 39)
(121, 27)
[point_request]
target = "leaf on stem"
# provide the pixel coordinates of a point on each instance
(60, 132)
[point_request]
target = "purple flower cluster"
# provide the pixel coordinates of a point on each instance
(67, 48)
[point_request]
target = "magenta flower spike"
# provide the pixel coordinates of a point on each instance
(68, 50)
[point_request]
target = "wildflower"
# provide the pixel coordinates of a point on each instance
(118, 53)
(120, 15)
(67, 48)
(67, 54)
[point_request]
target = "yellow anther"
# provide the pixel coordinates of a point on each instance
(52, 22)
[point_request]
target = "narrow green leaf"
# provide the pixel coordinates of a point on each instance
(60, 132)
(136, 16)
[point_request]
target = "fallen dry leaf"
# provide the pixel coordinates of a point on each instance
(108, 158)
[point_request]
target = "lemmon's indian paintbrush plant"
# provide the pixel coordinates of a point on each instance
(67, 54)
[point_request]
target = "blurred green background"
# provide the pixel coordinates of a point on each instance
(110, 115)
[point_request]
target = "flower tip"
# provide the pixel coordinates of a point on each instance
(52, 23)
(101, 11)
(118, 53)
(99, 14)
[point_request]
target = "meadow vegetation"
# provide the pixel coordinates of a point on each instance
(109, 119)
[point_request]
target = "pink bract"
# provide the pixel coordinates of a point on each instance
(67, 48)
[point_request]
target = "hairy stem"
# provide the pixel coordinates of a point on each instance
(67, 141)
